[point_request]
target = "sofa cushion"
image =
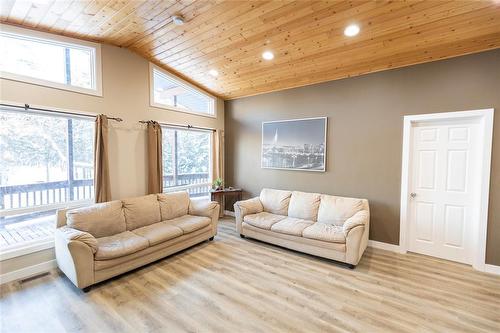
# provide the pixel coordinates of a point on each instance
(263, 220)
(304, 205)
(141, 211)
(173, 204)
(190, 223)
(99, 220)
(325, 232)
(336, 210)
(291, 226)
(275, 201)
(119, 245)
(158, 232)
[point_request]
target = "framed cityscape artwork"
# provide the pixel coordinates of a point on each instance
(296, 144)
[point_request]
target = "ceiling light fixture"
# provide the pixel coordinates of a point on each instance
(178, 20)
(351, 30)
(213, 72)
(268, 55)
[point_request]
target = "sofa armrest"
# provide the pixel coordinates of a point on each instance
(208, 209)
(246, 207)
(75, 255)
(361, 218)
(71, 234)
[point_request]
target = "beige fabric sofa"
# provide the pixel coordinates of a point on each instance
(323, 225)
(98, 242)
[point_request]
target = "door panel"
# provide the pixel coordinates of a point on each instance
(457, 170)
(443, 171)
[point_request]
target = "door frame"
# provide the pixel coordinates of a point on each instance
(485, 118)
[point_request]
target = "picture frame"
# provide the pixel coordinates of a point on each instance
(294, 144)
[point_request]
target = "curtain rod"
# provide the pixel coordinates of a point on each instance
(28, 107)
(182, 126)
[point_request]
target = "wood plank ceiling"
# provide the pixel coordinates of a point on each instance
(305, 36)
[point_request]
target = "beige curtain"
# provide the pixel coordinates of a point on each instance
(155, 162)
(218, 154)
(102, 189)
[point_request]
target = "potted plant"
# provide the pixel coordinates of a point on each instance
(218, 184)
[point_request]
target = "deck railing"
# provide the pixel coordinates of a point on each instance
(189, 179)
(45, 193)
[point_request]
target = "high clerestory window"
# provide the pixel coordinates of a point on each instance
(169, 92)
(50, 60)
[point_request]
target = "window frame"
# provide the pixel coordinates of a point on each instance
(46, 242)
(210, 159)
(184, 84)
(60, 41)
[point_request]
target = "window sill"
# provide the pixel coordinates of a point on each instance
(27, 248)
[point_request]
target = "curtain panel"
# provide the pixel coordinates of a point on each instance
(102, 188)
(155, 162)
(218, 154)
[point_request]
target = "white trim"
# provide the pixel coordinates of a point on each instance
(485, 117)
(61, 40)
(27, 248)
(184, 84)
(385, 246)
(288, 120)
(492, 269)
(43, 208)
(229, 213)
(29, 271)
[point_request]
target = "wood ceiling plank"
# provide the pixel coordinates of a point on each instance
(294, 55)
(347, 59)
(57, 9)
(306, 36)
(19, 11)
(234, 28)
(36, 13)
(124, 19)
(412, 57)
(260, 33)
(167, 33)
(157, 23)
(5, 9)
(306, 42)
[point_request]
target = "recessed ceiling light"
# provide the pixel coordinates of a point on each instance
(178, 20)
(351, 30)
(268, 55)
(213, 72)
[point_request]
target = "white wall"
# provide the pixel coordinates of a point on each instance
(125, 95)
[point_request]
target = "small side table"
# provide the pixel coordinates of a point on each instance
(220, 197)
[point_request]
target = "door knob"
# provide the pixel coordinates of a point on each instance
(413, 194)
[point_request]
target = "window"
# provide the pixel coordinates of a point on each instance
(46, 162)
(50, 60)
(186, 160)
(170, 92)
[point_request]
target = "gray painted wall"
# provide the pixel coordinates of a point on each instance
(365, 129)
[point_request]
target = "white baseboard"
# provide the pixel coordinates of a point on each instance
(28, 271)
(492, 269)
(229, 213)
(385, 246)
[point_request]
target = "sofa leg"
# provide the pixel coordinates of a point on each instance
(351, 266)
(211, 238)
(242, 236)
(87, 289)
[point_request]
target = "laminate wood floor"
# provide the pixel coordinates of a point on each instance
(240, 285)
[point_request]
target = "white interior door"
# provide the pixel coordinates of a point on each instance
(443, 188)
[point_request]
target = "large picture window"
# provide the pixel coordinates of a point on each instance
(171, 93)
(50, 60)
(46, 162)
(186, 161)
